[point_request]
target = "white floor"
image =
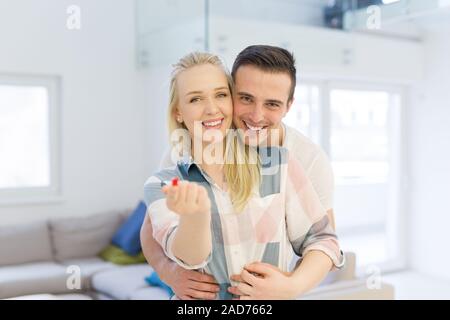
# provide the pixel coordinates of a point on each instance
(412, 285)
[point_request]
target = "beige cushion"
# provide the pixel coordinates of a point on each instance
(84, 236)
(125, 214)
(32, 278)
(25, 243)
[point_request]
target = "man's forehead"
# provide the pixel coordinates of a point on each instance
(264, 84)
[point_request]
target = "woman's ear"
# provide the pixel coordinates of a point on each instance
(178, 116)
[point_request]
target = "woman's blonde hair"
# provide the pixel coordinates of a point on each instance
(242, 167)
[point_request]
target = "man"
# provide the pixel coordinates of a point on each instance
(265, 80)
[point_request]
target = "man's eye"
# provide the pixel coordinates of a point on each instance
(246, 99)
(273, 105)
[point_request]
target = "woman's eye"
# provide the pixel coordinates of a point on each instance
(196, 99)
(222, 95)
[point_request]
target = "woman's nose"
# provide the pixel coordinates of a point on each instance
(211, 107)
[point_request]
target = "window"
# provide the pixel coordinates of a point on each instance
(365, 148)
(360, 135)
(304, 111)
(360, 129)
(29, 166)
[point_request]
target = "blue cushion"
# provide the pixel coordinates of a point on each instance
(128, 236)
(154, 280)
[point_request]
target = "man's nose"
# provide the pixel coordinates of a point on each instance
(256, 115)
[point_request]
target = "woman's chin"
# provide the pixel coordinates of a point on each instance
(214, 139)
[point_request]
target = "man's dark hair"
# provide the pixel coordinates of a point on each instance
(270, 59)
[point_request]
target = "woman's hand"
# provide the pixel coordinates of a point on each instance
(187, 198)
(263, 281)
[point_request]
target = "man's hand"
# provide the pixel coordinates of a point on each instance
(190, 284)
(263, 281)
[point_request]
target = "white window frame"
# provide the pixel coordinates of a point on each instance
(53, 192)
(396, 225)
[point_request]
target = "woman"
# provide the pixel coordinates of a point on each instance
(226, 214)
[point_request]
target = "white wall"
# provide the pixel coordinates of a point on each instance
(429, 159)
(103, 115)
(157, 80)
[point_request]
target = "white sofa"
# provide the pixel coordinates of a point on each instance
(38, 258)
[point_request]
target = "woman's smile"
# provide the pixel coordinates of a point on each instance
(213, 123)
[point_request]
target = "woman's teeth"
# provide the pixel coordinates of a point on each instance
(212, 123)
